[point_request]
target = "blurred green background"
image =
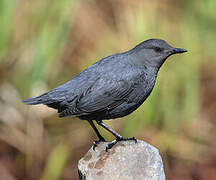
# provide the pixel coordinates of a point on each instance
(44, 43)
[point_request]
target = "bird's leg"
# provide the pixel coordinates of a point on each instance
(98, 134)
(118, 136)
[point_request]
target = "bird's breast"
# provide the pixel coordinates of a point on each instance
(139, 94)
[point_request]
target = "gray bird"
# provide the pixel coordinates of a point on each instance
(113, 87)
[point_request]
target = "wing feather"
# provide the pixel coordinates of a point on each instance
(104, 94)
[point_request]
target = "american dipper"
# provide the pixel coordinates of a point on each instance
(113, 87)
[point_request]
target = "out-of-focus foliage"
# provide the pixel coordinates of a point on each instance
(45, 43)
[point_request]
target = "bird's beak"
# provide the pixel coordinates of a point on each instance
(178, 50)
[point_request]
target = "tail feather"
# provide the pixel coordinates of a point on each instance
(50, 99)
(46, 101)
(32, 101)
(36, 100)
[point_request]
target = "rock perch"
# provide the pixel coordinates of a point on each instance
(127, 160)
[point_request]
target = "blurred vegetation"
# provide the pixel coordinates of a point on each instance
(46, 43)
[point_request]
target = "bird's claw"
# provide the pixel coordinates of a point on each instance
(130, 138)
(111, 144)
(97, 142)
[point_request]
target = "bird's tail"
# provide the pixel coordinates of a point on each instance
(36, 100)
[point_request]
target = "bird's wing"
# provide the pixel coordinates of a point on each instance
(103, 94)
(64, 96)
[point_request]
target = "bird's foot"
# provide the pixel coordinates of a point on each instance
(97, 142)
(111, 144)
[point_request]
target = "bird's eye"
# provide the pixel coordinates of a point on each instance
(158, 49)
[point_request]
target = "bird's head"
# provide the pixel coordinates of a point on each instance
(154, 52)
